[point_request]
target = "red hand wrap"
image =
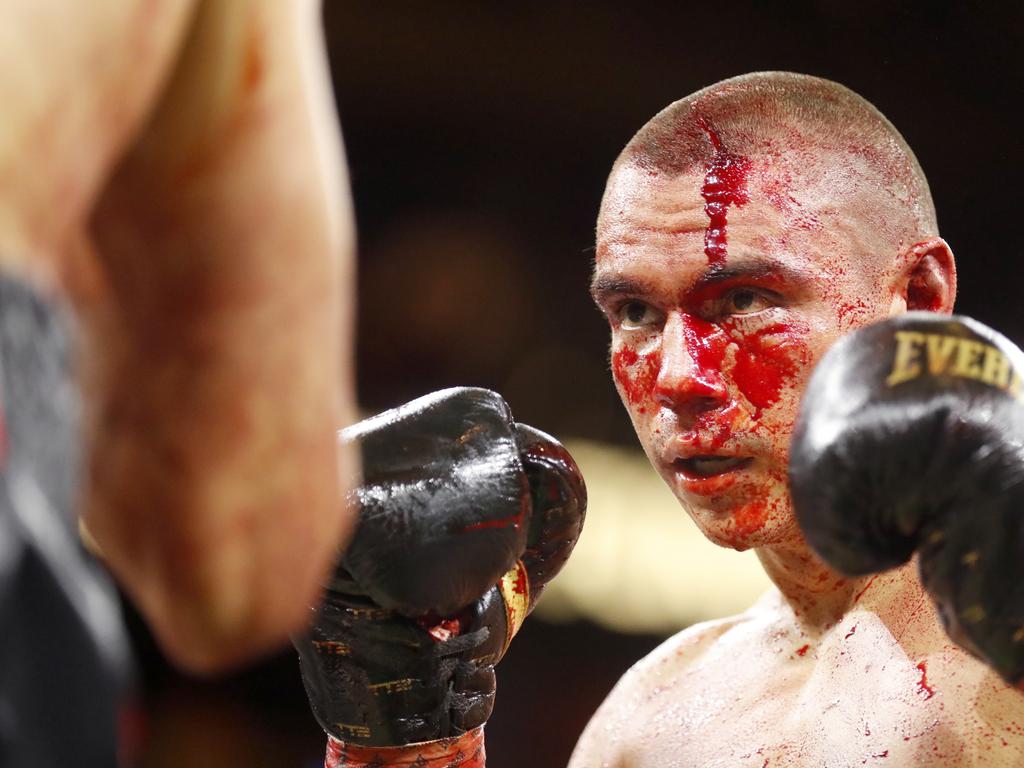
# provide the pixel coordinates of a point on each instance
(465, 751)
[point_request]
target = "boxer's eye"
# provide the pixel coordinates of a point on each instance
(636, 314)
(744, 301)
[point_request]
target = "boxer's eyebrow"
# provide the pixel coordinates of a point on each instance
(610, 285)
(759, 270)
(605, 286)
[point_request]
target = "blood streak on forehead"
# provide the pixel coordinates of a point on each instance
(725, 184)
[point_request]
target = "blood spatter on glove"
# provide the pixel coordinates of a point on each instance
(509, 521)
(725, 184)
(441, 628)
(440, 469)
(518, 582)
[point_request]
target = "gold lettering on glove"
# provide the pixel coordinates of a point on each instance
(369, 614)
(393, 686)
(331, 648)
(905, 365)
(353, 731)
(937, 354)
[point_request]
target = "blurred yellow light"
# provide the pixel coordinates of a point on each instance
(641, 565)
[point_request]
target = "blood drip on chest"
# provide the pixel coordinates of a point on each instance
(725, 184)
(922, 684)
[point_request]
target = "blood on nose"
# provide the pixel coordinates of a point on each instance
(693, 352)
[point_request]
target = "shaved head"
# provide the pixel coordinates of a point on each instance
(813, 138)
(743, 230)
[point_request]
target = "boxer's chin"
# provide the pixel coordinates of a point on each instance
(741, 521)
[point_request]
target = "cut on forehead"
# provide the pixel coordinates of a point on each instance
(792, 119)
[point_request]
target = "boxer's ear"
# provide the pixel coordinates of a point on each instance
(927, 279)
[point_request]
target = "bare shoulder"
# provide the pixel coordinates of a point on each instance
(997, 730)
(615, 731)
(984, 714)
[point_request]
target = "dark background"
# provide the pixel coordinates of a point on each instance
(479, 137)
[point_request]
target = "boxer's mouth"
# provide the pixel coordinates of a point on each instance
(699, 467)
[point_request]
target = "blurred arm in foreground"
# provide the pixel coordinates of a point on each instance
(175, 169)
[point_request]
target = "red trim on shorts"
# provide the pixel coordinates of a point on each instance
(465, 751)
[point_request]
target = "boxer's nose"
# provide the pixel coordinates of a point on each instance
(692, 353)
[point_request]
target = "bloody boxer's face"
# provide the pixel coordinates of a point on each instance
(722, 288)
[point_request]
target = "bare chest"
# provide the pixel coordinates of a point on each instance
(849, 702)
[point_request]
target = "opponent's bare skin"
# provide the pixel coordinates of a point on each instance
(732, 250)
(175, 168)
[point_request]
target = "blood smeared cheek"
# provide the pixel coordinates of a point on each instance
(771, 364)
(766, 367)
(636, 374)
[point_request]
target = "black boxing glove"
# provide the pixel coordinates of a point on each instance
(453, 484)
(375, 677)
(910, 439)
(443, 503)
(558, 501)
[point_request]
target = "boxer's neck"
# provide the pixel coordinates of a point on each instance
(818, 596)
